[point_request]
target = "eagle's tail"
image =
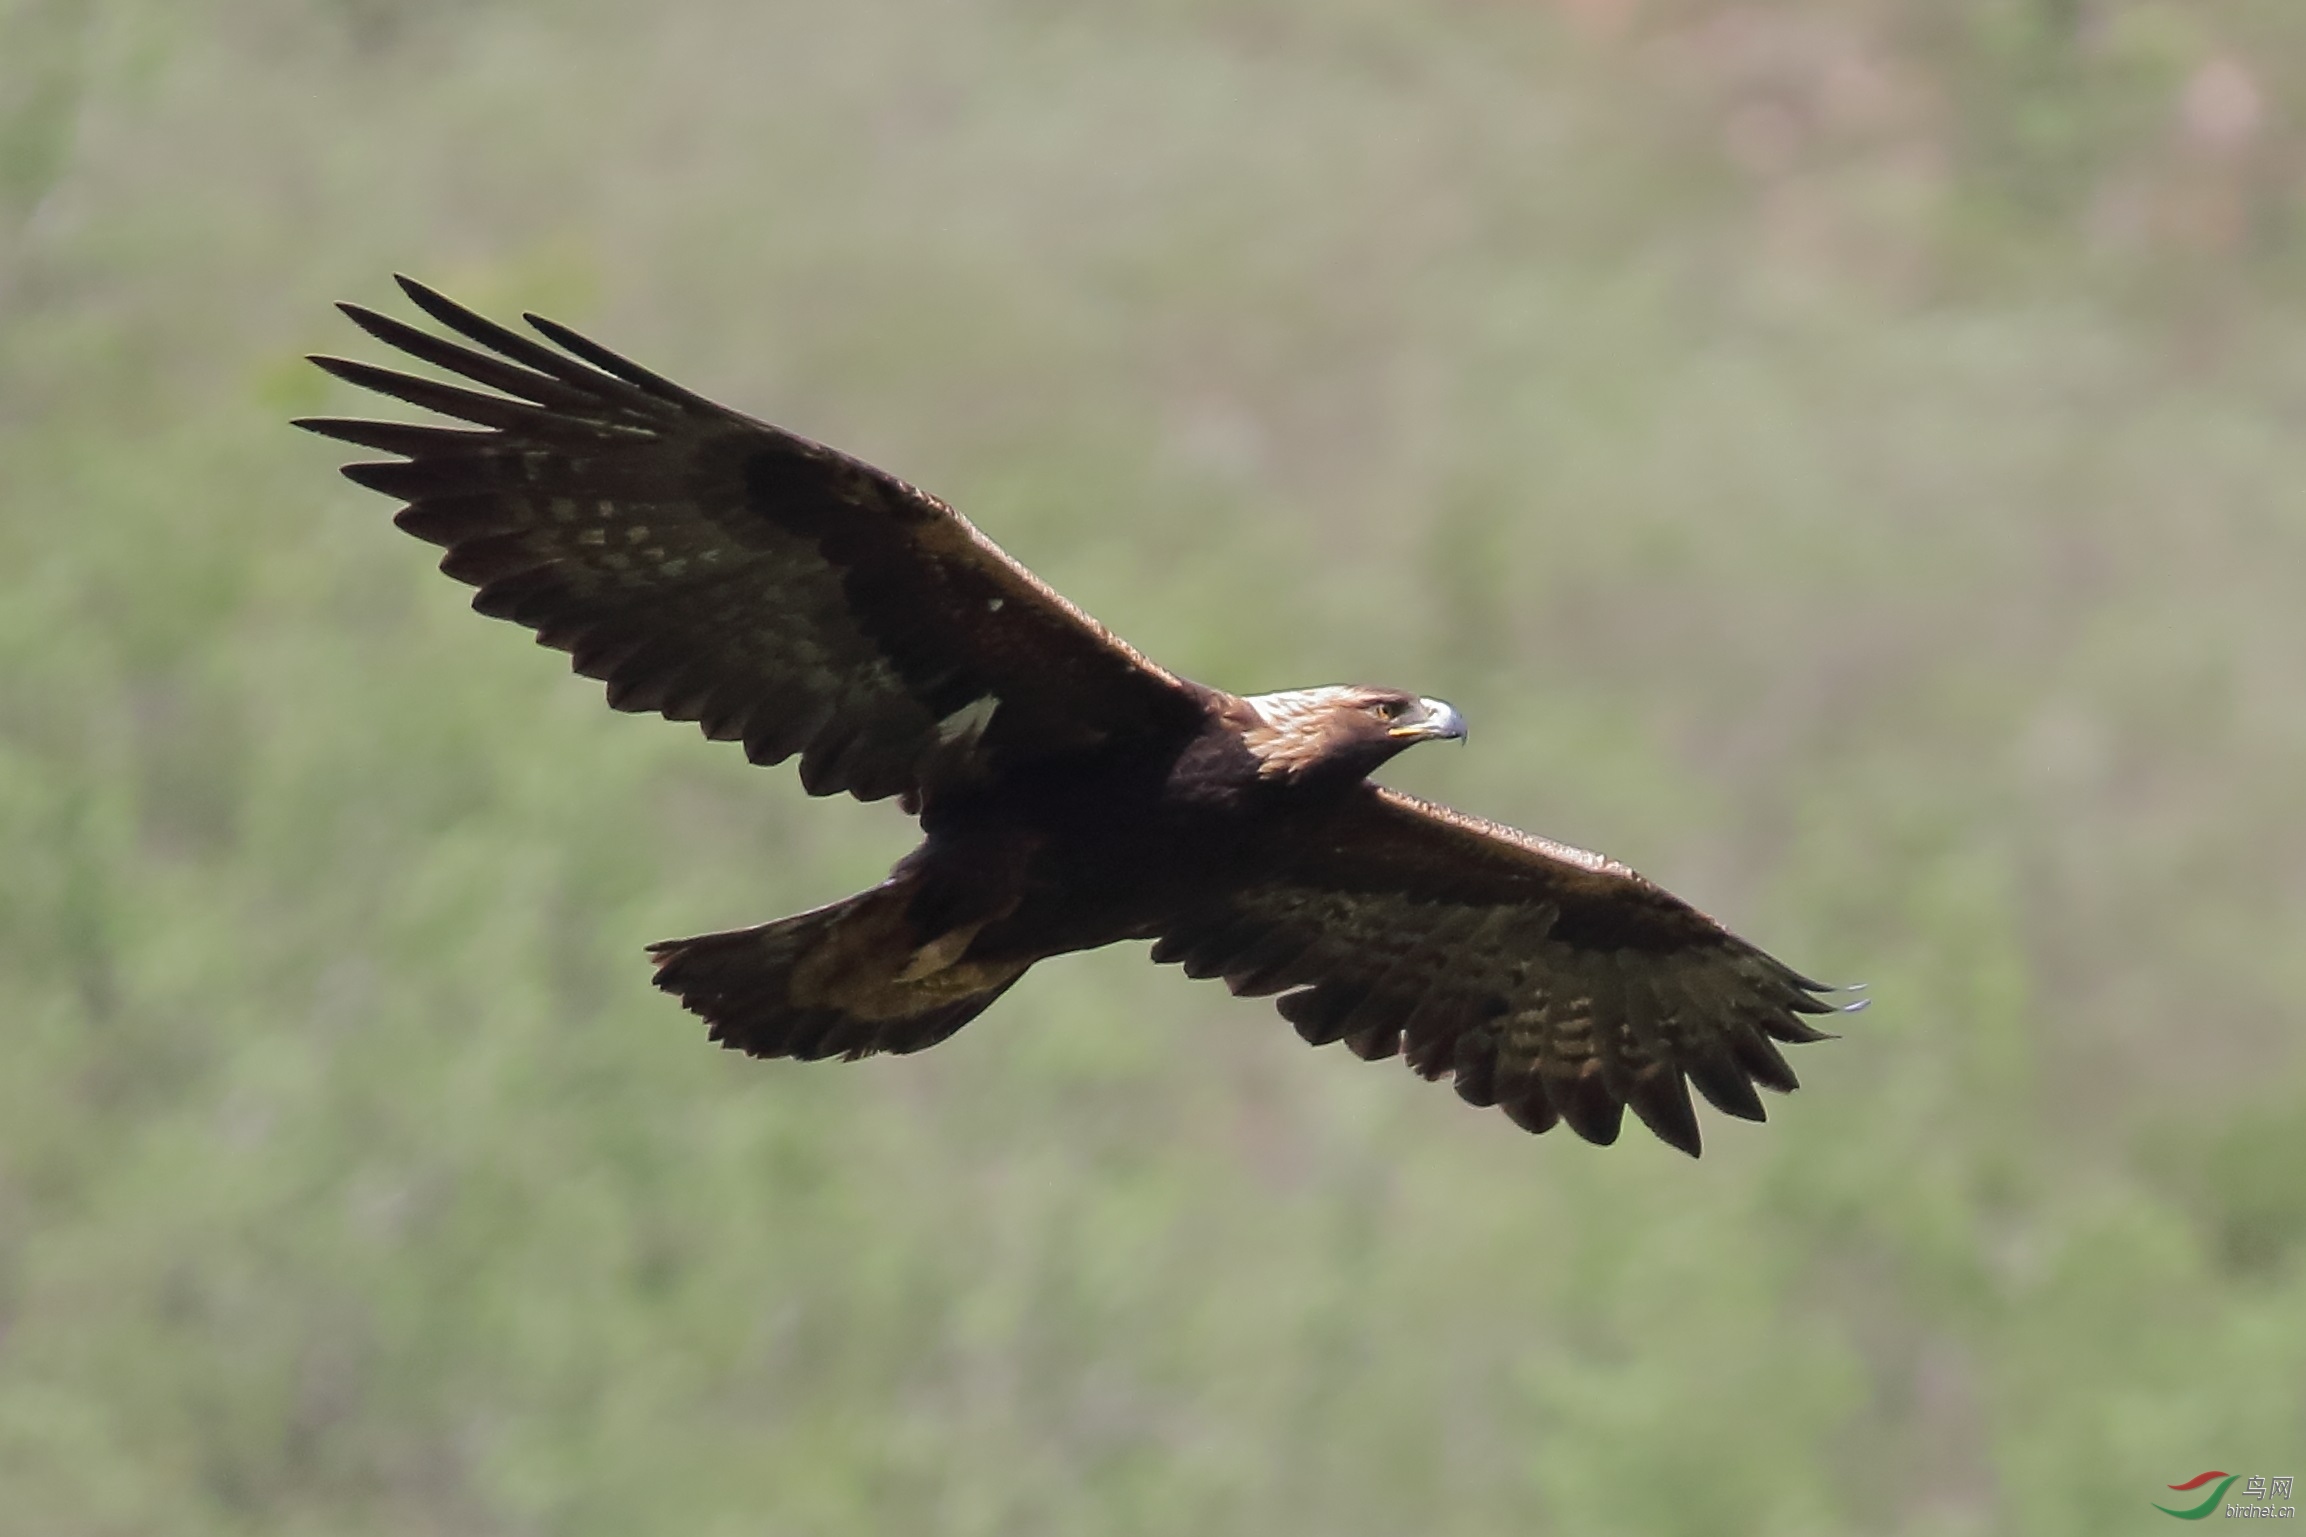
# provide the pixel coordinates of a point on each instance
(846, 980)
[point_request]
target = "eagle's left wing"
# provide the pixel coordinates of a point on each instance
(714, 568)
(1555, 983)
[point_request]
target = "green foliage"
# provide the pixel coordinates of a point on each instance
(1840, 456)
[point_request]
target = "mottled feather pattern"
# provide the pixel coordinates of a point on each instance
(1508, 965)
(817, 984)
(713, 568)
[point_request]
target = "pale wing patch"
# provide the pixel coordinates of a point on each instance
(968, 722)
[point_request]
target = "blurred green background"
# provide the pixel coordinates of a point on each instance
(1843, 457)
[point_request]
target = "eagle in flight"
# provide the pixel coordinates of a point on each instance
(1071, 793)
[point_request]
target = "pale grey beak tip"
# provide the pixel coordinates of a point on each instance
(1442, 722)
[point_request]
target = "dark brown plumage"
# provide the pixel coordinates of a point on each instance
(713, 568)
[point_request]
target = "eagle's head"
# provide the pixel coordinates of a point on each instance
(1341, 732)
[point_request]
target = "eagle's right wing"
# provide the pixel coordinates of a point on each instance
(1550, 981)
(713, 568)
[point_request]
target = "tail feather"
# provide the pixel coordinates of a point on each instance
(846, 980)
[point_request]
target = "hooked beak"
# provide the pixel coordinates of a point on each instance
(1434, 720)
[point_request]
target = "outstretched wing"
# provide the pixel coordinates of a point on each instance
(1550, 981)
(713, 568)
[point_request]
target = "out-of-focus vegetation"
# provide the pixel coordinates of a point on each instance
(1845, 458)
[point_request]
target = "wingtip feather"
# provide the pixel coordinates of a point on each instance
(468, 323)
(1662, 1104)
(610, 362)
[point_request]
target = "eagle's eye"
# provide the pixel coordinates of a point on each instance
(1391, 709)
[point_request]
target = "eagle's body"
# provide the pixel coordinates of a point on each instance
(1079, 851)
(1071, 794)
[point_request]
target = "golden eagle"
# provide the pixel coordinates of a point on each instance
(1071, 794)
